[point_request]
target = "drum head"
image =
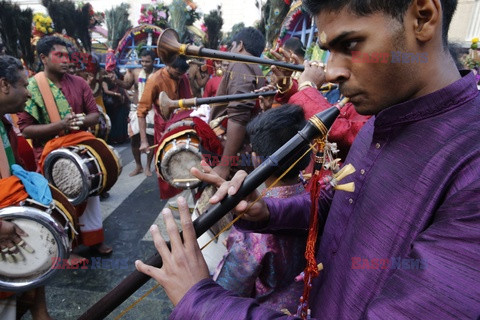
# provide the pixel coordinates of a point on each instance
(48, 240)
(176, 164)
(68, 172)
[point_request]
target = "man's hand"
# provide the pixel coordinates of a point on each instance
(208, 175)
(73, 121)
(266, 102)
(183, 264)
(144, 147)
(282, 77)
(258, 211)
(314, 72)
(222, 170)
(10, 241)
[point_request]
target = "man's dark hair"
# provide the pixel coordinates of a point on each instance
(396, 9)
(272, 129)
(253, 40)
(456, 51)
(45, 44)
(9, 69)
(146, 52)
(295, 45)
(180, 64)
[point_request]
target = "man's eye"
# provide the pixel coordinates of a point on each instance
(350, 45)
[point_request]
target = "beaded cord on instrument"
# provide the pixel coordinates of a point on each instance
(324, 159)
(311, 269)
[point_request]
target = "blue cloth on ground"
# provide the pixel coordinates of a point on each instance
(35, 184)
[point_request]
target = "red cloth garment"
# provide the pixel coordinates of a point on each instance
(211, 87)
(344, 129)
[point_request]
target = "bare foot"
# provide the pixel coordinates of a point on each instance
(136, 171)
(148, 172)
(75, 259)
(102, 249)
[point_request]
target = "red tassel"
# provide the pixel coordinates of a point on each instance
(311, 269)
(208, 138)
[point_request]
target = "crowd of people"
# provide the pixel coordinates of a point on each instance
(400, 238)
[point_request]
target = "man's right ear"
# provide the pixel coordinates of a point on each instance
(42, 58)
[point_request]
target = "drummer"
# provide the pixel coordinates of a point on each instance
(13, 95)
(72, 97)
(172, 80)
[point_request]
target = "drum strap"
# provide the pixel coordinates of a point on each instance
(47, 96)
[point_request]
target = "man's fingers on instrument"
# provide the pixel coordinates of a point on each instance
(16, 239)
(206, 167)
(149, 270)
(277, 55)
(12, 247)
(221, 192)
(241, 206)
(20, 231)
(279, 73)
(236, 182)
(25, 246)
(172, 230)
(189, 236)
(294, 59)
(16, 253)
(159, 242)
(208, 176)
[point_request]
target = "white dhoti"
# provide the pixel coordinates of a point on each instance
(91, 224)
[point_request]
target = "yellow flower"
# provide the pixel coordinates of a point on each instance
(474, 40)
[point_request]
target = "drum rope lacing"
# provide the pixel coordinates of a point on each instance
(131, 306)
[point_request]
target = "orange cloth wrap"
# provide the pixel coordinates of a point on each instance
(12, 192)
(64, 141)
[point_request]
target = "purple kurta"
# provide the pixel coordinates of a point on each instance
(406, 243)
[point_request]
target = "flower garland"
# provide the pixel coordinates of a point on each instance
(155, 13)
(43, 24)
(472, 60)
